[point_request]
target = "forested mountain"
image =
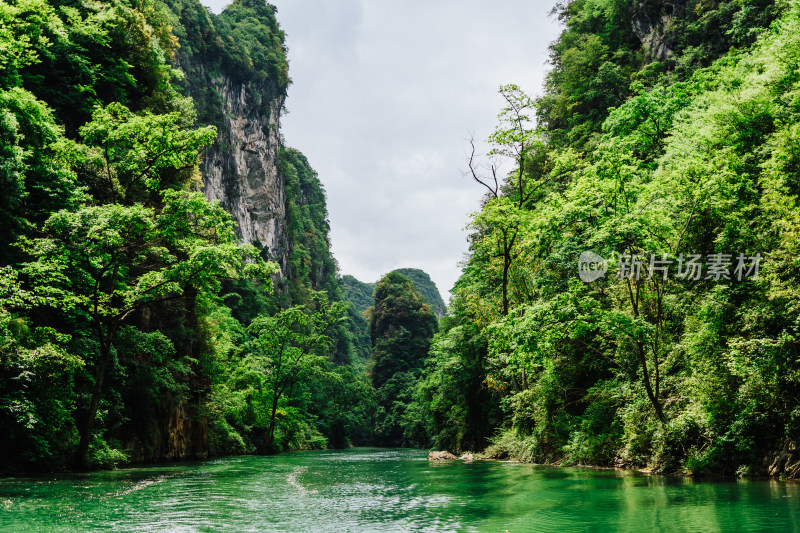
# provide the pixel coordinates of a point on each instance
(631, 296)
(426, 287)
(360, 294)
(402, 325)
(361, 300)
(140, 318)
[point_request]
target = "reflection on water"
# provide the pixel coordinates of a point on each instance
(371, 489)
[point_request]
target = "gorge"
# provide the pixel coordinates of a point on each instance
(168, 290)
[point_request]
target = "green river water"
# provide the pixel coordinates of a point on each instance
(369, 489)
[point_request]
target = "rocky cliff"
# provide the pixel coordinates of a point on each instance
(236, 73)
(180, 434)
(650, 21)
(234, 70)
(241, 168)
(695, 32)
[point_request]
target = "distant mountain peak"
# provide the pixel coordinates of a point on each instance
(360, 293)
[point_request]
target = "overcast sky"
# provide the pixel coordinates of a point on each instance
(384, 97)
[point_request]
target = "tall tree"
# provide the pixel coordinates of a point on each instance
(290, 347)
(514, 139)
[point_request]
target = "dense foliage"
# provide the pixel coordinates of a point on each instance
(360, 294)
(133, 324)
(402, 325)
(667, 143)
(426, 287)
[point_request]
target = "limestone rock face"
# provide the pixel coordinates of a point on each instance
(180, 434)
(241, 169)
(650, 20)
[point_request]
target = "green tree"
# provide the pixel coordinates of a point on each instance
(454, 398)
(499, 223)
(290, 347)
(24, 25)
(37, 389)
(107, 262)
(35, 176)
(130, 155)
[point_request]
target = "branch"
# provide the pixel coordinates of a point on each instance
(688, 221)
(493, 190)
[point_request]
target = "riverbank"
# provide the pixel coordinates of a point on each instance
(783, 464)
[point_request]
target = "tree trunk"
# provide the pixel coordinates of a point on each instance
(506, 266)
(82, 452)
(646, 380)
(271, 428)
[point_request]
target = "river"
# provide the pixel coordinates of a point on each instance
(370, 489)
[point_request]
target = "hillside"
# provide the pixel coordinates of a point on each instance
(162, 247)
(360, 294)
(630, 294)
(426, 287)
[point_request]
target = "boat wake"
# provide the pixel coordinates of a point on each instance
(291, 479)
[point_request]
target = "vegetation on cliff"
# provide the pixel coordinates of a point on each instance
(630, 297)
(426, 287)
(645, 156)
(133, 324)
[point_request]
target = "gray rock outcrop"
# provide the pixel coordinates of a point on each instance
(439, 456)
(241, 169)
(650, 20)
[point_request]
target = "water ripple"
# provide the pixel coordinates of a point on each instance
(387, 490)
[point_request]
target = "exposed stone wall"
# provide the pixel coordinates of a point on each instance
(786, 463)
(241, 169)
(650, 20)
(180, 435)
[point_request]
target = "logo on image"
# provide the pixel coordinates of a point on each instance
(591, 266)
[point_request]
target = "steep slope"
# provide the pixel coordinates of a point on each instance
(237, 74)
(426, 287)
(667, 130)
(359, 293)
(401, 327)
(360, 296)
